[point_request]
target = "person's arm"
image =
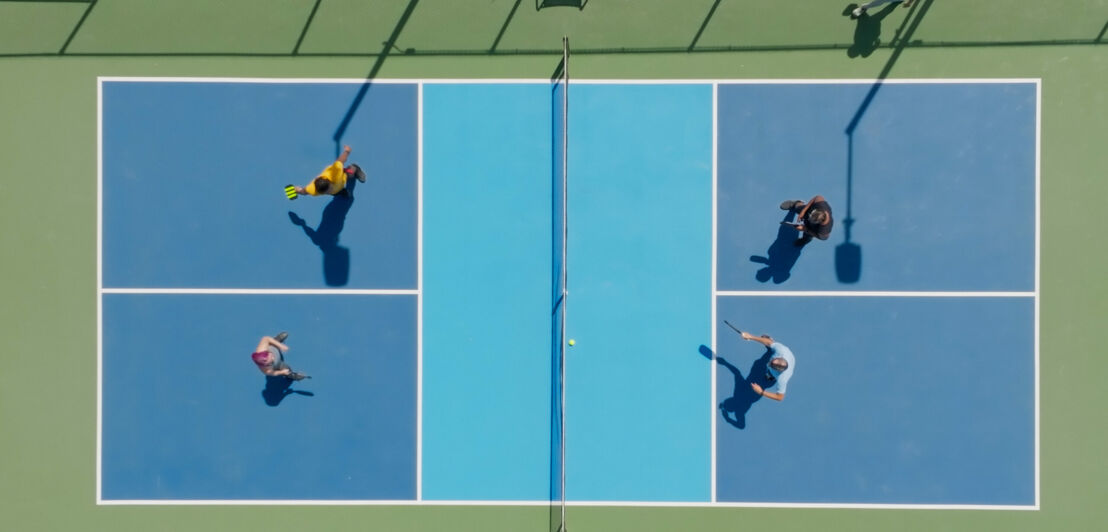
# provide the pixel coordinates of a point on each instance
(760, 339)
(772, 395)
(345, 154)
(267, 341)
(804, 211)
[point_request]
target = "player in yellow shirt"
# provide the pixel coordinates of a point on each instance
(332, 181)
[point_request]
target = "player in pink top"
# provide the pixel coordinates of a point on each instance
(270, 358)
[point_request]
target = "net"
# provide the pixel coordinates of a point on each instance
(559, 96)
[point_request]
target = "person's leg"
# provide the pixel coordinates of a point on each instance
(792, 205)
(281, 364)
(356, 171)
(860, 10)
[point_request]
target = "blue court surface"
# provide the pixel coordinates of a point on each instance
(893, 400)
(187, 416)
(422, 306)
(933, 190)
(193, 174)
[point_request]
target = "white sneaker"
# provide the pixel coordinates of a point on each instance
(858, 11)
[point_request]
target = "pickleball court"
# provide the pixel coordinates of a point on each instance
(421, 306)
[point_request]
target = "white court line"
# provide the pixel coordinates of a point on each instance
(263, 291)
(876, 293)
(1038, 228)
(844, 81)
(591, 504)
(99, 284)
(498, 81)
(419, 297)
(715, 300)
(317, 81)
(298, 502)
(830, 506)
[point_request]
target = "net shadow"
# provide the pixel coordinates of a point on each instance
(559, 121)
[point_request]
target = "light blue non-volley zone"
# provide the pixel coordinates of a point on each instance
(640, 293)
(639, 268)
(487, 379)
(640, 413)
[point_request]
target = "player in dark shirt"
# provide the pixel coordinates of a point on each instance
(813, 219)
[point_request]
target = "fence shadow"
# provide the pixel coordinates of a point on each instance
(864, 40)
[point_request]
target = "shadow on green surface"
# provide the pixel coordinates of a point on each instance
(307, 25)
(77, 27)
(861, 44)
(703, 26)
(543, 4)
(867, 31)
(504, 27)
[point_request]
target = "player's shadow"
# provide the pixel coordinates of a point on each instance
(336, 258)
(278, 388)
(543, 4)
(867, 31)
(734, 408)
(781, 255)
